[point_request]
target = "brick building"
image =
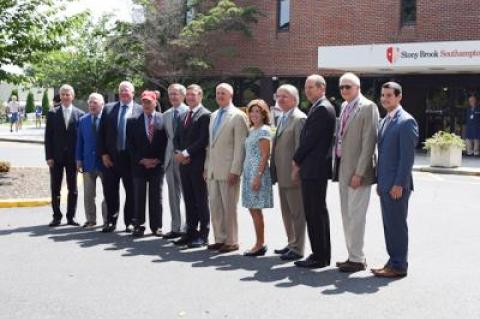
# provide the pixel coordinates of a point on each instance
(431, 47)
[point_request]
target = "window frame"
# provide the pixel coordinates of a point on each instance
(286, 27)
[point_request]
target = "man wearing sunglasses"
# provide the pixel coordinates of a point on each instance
(354, 166)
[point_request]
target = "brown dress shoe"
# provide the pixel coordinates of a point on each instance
(215, 246)
(341, 263)
(228, 248)
(351, 266)
(388, 272)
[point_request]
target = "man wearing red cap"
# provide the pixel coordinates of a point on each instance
(147, 141)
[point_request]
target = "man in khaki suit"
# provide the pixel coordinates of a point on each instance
(354, 159)
(225, 155)
(285, 144)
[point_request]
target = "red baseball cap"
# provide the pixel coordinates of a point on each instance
(149, 95)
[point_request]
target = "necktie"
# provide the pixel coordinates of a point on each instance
(66, 115)
(121, 129)
(218, 121)
(188, 120)
(385, 124)
(150, 128)
(283, 123)
(94, 124)
(175, 120)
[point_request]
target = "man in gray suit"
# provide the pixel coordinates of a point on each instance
(354, 159)
(176, 95)
(397, 139)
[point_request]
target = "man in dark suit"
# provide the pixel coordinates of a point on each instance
(191, 141)
(113, 149)
(313, 163)
(397, 139)
(60, 141)
(147, 141)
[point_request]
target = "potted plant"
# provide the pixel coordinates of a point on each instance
(445, 149)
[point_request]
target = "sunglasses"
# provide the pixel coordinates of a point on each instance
(346, 87)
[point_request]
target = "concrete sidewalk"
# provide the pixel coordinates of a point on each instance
(28, 134)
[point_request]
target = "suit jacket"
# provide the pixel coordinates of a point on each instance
(396, 152)
(107, 132)
(358, 143)
(168, 117)
(194, 138)
(226, 150)
(60, 141)
(284, 145)
(140, 147)
(86, 150)
(314, 154)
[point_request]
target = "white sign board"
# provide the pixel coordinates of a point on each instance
(422, 57)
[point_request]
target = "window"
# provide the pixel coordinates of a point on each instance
(409, 12)
(190, 11)
(283, 15)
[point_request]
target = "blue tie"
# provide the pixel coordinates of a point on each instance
(121, 129)
(218, 121)
(175, 120)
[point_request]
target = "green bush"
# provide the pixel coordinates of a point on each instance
(444, 140)
(4, 166)
(45, 103)
(30, 106)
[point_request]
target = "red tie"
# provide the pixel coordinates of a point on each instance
(150, 129)
(188, 120)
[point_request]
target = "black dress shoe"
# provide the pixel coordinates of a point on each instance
(291, 255)
(172, 235)
(72, 222)
(108, 228)
(138, 231)
(55, 223)
(311, 263)
(281, 251)
(182, 241)
(129, 229)
(197, 243)
(259, 252)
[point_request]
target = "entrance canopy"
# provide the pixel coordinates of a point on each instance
(397, 58)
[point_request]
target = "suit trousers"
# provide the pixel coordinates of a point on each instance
(354, 205)
(122, 170)
(56, 178)
(195, 196)
(293, 215)
(89, 195)
(172, 174)
(394, 214)
(155, 210)
(316, 213)
(223, 203)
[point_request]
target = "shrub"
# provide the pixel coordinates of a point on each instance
(45, 103)
(444, 140)
(30, 106)
(4, 166)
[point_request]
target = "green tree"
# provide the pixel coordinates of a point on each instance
(45, 103)
(30, 106)
(28, 27)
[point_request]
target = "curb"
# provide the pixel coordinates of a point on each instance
(20, 140)
(465, 171)
(15, 203)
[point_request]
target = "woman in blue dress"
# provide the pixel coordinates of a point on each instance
(256, 183)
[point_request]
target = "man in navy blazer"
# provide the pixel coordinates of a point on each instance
(60, 140)
(147, 141)
(397, 139)
(113, 149)
(88, 162)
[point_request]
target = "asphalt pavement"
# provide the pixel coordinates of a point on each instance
(72, 273)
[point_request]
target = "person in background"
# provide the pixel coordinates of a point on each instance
(38, 116)
(472, 129)
(256, 182)
(13, 108)
(88, 161)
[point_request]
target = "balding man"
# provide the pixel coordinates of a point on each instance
(354, 159)
(225, 155)
(88, 162)
(113, 149)
(313, 161)
(60, 141)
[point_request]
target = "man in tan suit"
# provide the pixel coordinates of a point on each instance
(354, 163)
(225, 155)
(285, 144)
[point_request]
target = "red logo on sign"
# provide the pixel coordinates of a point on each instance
(392, 54)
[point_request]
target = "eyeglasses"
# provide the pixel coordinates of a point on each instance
(346, 87)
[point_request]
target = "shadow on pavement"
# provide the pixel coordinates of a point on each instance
(268, 269)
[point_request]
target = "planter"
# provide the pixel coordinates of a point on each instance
(446, 156)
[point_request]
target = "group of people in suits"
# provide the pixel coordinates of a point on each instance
(210, 159)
